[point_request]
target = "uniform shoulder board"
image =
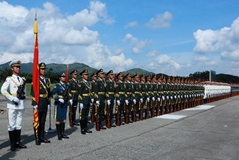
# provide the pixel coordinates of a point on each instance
(48, 80)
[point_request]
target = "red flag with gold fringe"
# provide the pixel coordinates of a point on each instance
(35, 78)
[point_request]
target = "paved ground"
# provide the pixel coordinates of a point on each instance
(209, 131)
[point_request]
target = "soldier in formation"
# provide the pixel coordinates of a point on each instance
(43, 106)
(14, 90)
(60, 93)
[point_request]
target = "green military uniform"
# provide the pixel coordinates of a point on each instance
(84, 101)
(99, 96)
(110, 91)
(73, 96)
(129, 96)
(44, 103)
(154, 94)
(120, 95)
(143, 92)
(149, 92)
(137, 93)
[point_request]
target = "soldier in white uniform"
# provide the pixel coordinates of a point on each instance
(15, 104)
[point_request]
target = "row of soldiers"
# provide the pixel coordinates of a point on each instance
(128, 98)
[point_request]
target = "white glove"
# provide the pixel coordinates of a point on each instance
(118, 102)
(178, 96)
(141, 100)
(90, 104)
(71, 102)
(158, 99)
(127, 102)
(49, 106)
(81, 105)
(167, 97)
(92, 100)
(61, 100)
(15, 99)
(108, 102)
(134, 101)
(175, 97)
(153, 98)
(148, 99)
(35, 107)
(163, 98)
(181, 96)
(171, 97)
(97, 102)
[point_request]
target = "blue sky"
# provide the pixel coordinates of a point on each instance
(172, 37)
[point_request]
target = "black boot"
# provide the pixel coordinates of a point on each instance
(37, 139)
(63, 135)
(42, 135)
(82, 126)
(101, 126)
(18, 139)
(86, 128)
(12, 140)
(111, 122)
(58, 129)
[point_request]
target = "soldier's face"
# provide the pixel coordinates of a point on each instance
(111, 76)
(16, 70)
(62, 79)
(74, 76)
(120, 78)
(42, 72)
(101, 75)
(94, 78)
(85, 76)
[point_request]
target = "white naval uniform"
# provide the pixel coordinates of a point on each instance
(15, 112)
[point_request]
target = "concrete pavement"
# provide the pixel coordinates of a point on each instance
(209, 131)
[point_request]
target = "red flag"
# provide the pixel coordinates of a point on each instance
(67, 70)
(35, 71)
(36, 78)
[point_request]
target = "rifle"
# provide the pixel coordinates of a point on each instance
(126, 118)
(134, 112)
(147, 110)
(157, 108)
(92, 113)
(107, 115)
(117, 112)
(20, 90)
(97, 122)
(140, 111)
(70, 114)
(152, 108)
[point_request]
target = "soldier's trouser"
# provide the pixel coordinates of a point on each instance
(111, 111)
(42, 113)
(74, 108)
(15, 119)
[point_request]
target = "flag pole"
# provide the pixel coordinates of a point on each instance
(35, 77)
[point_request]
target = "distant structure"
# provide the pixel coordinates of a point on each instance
(212, 76)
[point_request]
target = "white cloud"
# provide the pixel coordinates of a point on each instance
(138, 45)
(24, 57)
(224, 41)
(152, 53)
(160, 21)
(131, 24)
(164, 64)
(62, 39)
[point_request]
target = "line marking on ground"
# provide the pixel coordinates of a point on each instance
(171, 116)
(201, 107)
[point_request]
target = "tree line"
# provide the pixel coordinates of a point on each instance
(201, 76)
